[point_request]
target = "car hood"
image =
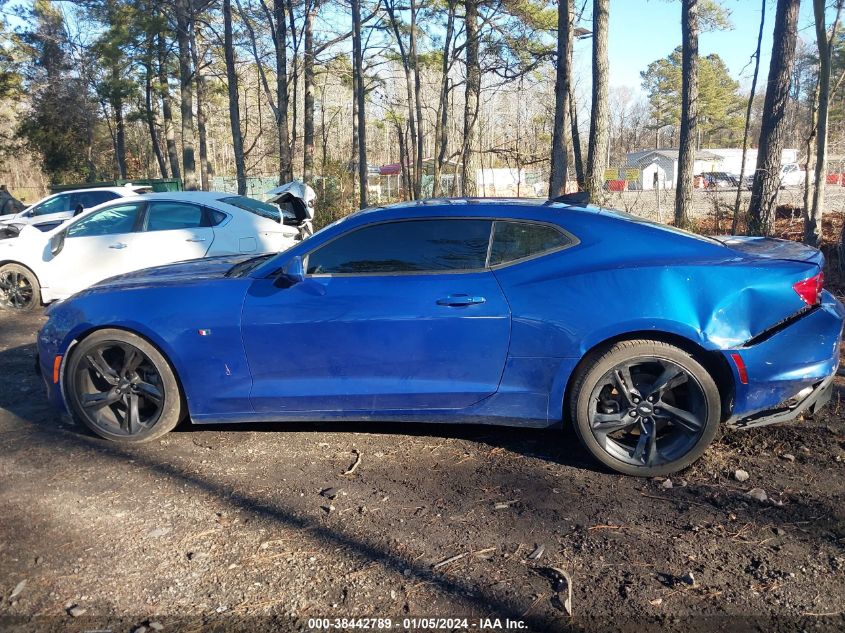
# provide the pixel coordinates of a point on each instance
(193, 270)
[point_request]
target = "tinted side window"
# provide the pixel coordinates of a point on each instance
(402, 247)
(169, 216)
(517, 240)
(59, 204)
(119, 218)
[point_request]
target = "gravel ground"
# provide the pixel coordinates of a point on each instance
(226, 528)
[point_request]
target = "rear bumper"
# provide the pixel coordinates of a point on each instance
(815, 399)
(789, 372)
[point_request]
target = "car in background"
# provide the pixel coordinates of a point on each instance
(718, 180)
(51, 211)
(134, 233)
(645, 338)
(791, 175)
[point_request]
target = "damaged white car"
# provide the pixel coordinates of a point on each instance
(134, 233)
(296, 202)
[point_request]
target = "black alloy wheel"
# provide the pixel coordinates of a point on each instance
(645, 408)
(122, 388)
(648, 412)
(19, 289)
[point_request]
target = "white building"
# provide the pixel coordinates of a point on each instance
(659, 167)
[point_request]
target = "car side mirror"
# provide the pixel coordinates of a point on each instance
(57, 243)
(79, 209)
(292, 273)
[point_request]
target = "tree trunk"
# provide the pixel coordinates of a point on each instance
(280, 42)
(167, 110)
(597, 147)
(773, 128)
(440, 134)
(358, 70)
(403, 159)
(120, 137)
(741, 185)
(234, 96)
(689, 113)
(813, 220)
(150, 113)
(183, 26)
(577, 158)
(409, 64)
(206, 170)
(560, 145)
(308, 80)
(469, 153)
(418, 157)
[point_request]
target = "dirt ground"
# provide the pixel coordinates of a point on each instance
(226, 528)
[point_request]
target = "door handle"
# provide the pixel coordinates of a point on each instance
(456, 301)
(118, 246)
(195, 239)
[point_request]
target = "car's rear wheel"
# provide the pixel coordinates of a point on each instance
(122, 388)
(645, 408)
(19, 288)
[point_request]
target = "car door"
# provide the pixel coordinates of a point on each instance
(397, 315)
(92, 248)
(171, 231)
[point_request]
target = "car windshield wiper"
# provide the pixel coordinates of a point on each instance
(239, 270)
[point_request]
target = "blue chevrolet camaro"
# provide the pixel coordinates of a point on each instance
(645, 338)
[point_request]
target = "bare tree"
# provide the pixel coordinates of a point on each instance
(184, 20)
(824, 41)
(597, 147)
(773, 126)
(234, 96)
(756, 56)
(440, 124)
(689, 112)
(469, 152)
(166, 108)
(560, 144)
(358, 96)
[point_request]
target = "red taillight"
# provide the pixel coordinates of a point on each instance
(810, 290)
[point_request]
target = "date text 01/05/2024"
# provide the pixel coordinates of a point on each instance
(417, 624)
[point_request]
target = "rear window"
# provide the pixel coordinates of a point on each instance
(254, 206)
(171, 216)
(513, 241)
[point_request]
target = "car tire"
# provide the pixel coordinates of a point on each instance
(110, 370)
(632, 424)
(19, 288)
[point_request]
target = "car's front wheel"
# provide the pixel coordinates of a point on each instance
(122, 388)
(19, 288)
(645, 408)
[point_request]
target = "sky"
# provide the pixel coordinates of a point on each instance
(642, 31)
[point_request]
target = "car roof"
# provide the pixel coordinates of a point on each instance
(473, 207)
(188, 196)
(123, 189)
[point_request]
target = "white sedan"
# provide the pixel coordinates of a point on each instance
(133, 233)
(51, 211)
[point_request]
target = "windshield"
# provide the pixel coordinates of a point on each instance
(243, 268)
(254, 206)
